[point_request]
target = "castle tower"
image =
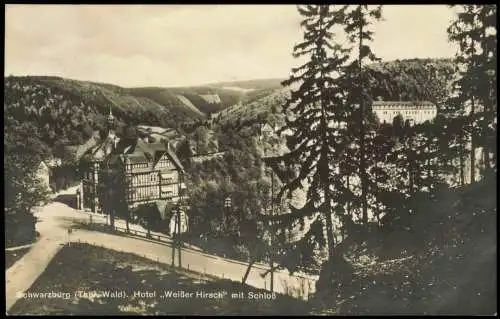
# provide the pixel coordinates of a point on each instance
(111, 123)
(112, 129)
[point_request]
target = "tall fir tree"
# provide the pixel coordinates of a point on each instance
(474, 30)
(315, 114)
(357, 22)
(318, 119)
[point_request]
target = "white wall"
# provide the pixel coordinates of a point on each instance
(387, 113)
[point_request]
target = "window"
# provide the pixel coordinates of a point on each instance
(167, 180)
(164, 163)
(166, 193)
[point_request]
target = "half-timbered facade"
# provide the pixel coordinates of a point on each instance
(118, 174)
(151, 172)
(92, 154)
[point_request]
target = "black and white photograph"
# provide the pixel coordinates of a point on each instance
(242, 160)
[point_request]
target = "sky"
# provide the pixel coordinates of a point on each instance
(177, 45)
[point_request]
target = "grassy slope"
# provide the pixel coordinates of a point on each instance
(444, 264)
(168, 96)
(86, 268)
(255, 84)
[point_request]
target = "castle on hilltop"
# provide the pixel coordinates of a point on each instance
(416, 112)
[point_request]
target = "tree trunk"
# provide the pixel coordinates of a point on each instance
(271, 248)
(247, 272)
(127, 221)
(362, 132)
(461, 158)
(486, 145)
(173, 250)
(349, 213)
(329, 234)
(472, 145)
(487, 107)
(429, 161)
(411, 174)
(179, 243)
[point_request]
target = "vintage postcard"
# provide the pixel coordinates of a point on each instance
(250, 159)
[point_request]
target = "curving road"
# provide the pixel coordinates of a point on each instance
(55, 219)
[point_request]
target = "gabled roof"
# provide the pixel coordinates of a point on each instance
(96, 148)
(137, 151)
(153, 129)
(103, 149)
(53, 162)
(267, 127)
(175, 159)
(143, 152)
(85, 147)
(43, 166)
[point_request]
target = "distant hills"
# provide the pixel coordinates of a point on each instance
(256, 84)
(69, 108)
(399, 80)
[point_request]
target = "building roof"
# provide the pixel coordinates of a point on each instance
(267, 128)
(376, 104)
(85, 147)
(53, 162)
(95, 148)
(43, 166)
(152, 152)
(102, 149)
(175, 159)
(153, 129)
(137, 151)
